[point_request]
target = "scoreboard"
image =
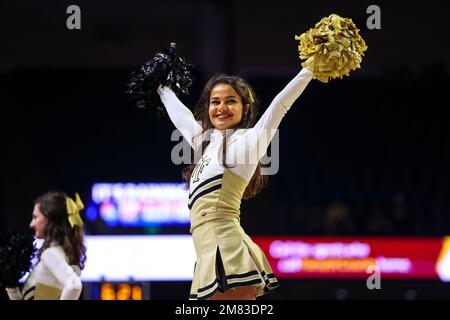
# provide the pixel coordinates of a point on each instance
(114, 291)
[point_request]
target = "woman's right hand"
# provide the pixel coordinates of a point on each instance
(14, 293)
(159, 90)
(163, 89)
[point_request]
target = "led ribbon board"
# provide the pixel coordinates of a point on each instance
(355, 257)
(139, 205)
(172, 257)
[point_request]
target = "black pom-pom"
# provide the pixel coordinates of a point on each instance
(16, 253)
(166, 68)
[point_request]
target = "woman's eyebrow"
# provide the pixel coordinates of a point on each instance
(217, 98)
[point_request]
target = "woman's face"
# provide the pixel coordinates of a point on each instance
(225, 107)
(38, 222)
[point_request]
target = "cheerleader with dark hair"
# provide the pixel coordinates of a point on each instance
(229, 264)
(56, 276)
(228, 144)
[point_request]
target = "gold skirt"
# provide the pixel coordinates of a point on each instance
(227, 258)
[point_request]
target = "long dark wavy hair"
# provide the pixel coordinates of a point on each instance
(248, 96)
(53, 206)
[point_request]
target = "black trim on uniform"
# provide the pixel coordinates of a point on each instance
(222, 283)
(220, 269)
(29, 289)
(219, 176)
(208, 286)
(213, 188)
(244, 283)
(269, 275)
(243, 275)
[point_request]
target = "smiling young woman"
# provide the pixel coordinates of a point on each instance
(229, 264)
(225, 107)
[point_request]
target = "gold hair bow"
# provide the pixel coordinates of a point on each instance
(73, 210)
(252, 100)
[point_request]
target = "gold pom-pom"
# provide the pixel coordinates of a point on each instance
(332, 48)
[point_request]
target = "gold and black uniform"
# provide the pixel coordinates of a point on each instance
(226, 256)
(52, 278)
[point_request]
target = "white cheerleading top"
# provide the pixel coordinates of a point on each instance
(216, 191)
(52, 278)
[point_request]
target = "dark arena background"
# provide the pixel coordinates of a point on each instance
(360, 205)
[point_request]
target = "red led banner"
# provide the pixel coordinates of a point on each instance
(357, 257)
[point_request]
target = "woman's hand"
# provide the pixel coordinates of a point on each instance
(14, 293)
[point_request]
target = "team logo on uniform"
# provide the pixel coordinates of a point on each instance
(204, 161)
